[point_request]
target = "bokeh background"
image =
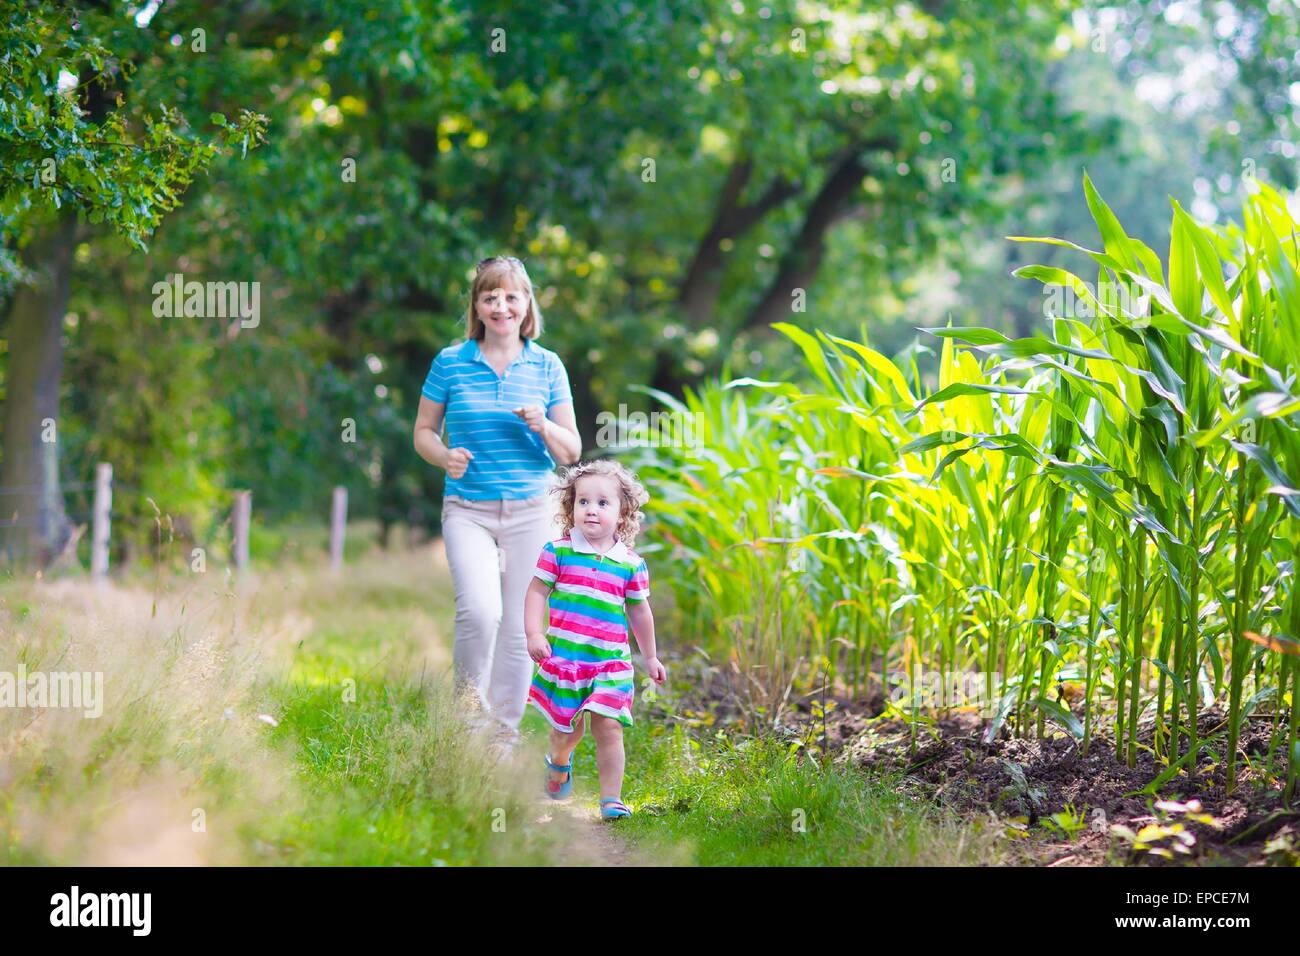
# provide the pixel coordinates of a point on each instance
(676, 175)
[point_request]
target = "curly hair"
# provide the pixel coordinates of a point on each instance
(631, 496)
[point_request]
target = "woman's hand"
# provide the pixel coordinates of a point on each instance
(458, 460)
(656, 669)
(538, 648)
(534, 416)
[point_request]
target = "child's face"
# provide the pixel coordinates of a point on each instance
(596, 507)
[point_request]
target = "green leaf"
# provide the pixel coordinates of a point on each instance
(1000, 715)
(1282, 484)
(1207, 260)
(957, 389)
(811, 349)
(931, 441)
(1263, 404)
(1113, 237)
(879, 364)
(1163, 777)
(1061, 716)
(1183, 287)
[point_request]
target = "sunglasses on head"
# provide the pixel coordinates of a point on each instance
(483, 262)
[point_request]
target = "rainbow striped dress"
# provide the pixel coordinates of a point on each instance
(590, 667)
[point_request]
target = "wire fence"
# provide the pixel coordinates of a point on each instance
(65, 489)
(98, 506)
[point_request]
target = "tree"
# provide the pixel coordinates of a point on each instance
(676, 175)
(71, 151)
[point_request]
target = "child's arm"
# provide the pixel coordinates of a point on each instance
(642, 620)
(539, 648)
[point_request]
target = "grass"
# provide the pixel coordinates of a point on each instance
(295, 721)
(396, 779)
(749, 803)
(724, 800)
(302, 719)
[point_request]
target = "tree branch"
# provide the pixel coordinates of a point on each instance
(699, 290)
(799, 265)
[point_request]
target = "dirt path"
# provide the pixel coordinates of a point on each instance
(595, 843)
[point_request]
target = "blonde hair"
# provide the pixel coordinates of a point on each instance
(630, 493)
(490, 275)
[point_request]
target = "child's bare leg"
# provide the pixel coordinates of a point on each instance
(609, 754)
(562, 747)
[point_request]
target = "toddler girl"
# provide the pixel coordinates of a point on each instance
(595, 586)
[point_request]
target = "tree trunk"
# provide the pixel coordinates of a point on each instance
(698, 295)
(35, 525)
(699, 291)
(667, 376)
(799, 265)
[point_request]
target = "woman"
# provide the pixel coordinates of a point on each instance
(509, 414)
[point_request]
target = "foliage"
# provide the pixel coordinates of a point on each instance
(1113, 503)
(81, 144)
(857, 153)
(402, 145)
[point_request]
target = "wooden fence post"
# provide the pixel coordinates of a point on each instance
(101, 518)
(239, 543)
(338, 527)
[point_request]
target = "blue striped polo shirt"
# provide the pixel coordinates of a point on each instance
(510, 460)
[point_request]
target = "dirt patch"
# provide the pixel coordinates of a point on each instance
(593, 843)
(1025, 782)
(580, 837)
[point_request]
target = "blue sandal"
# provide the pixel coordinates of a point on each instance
(554, 789)
(611, 808)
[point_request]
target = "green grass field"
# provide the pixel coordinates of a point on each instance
(301, 719)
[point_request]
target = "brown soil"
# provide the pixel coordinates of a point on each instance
(953, 763)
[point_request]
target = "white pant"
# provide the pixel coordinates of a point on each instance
(492, 548)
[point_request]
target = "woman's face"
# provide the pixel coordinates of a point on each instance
(502, 310)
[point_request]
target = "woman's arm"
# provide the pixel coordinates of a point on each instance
(428, 439)
(559, 431)
(428, 432)
(561, 434)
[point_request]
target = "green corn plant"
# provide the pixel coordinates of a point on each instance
(1115, 500)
